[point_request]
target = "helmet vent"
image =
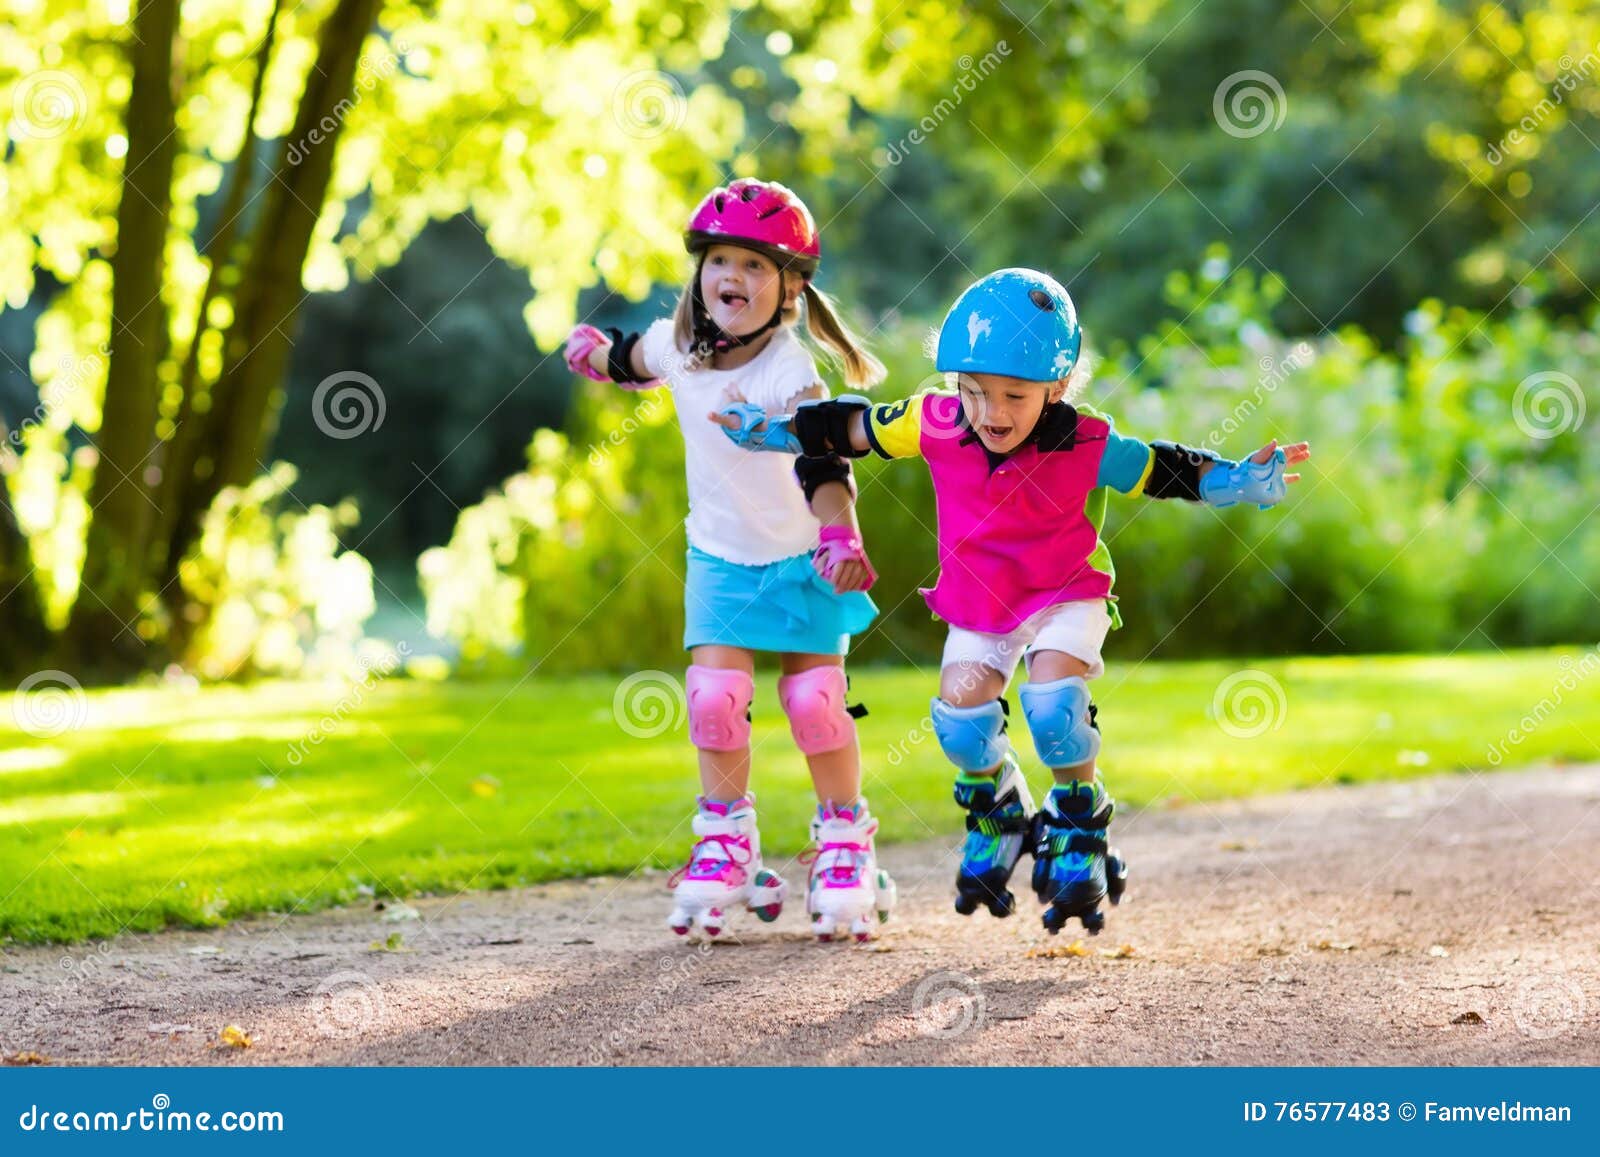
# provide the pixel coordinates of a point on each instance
(721, 200)
(749, 193)
(1042, 299)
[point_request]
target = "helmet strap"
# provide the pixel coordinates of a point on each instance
(710, 338)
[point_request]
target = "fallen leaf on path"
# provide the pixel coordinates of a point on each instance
(1438, 950)
(1238, 845)
(1120, 952)
(395, 943)
(234, 1037)
(27, 1058)
(1468, 1017)
(1334, 946)
(1056, 951)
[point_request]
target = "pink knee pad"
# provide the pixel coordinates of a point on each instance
(814, 702)
(719, 707)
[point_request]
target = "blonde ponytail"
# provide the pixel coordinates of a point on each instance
(861, 369)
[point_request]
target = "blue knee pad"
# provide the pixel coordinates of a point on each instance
(1061, 719)
(973, 738)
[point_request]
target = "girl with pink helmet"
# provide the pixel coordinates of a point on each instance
(772, 566)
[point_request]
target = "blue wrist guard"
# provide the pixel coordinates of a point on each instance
(1227, 483)
(775, 435)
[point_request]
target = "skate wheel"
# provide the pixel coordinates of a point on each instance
(883, 915)
(1094, 921)
(1116, 878)
(966, 905)
(1054, 919)
(767, 913)
(1003, 907)
(863, 937)
(679, 929)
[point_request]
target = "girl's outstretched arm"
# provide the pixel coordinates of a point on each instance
(616, 358)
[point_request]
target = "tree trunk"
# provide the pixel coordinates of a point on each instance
(256, 352)
(226, 255)
(24, 638)
(117, 559)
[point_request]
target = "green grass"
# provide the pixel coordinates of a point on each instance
(172, 807)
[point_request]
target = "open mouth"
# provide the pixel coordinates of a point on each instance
(733, 300)
(997, 433)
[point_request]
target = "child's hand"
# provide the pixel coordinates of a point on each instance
(1259, 478)
(842, 560)
(747, 424)
(1298, 452)
(587, 352)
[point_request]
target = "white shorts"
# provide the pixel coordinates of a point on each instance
(1078, 629)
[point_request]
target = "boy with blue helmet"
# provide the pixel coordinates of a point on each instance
(1020, 477)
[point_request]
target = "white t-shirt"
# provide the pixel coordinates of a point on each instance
(745, 506)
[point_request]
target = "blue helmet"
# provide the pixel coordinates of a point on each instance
(1016, 322)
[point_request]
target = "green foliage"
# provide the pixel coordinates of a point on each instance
(1436, 512)
(286, 599)
(580, 558)
(332, 793)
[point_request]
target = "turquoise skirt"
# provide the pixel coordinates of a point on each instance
(782, 606)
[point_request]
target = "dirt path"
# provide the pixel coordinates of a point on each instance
(1446, 921)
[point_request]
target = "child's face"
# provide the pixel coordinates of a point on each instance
(741, 288)
(1005, 410)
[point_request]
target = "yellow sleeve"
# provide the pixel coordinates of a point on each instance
(894, 429)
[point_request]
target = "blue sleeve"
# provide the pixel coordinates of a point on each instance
(1125, 464)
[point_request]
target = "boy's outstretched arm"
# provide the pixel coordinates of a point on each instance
(818, 426)
(841, 559)
(1170, 470)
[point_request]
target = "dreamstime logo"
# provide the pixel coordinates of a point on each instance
(47, 104)
(368, 74)
(1274, 372)
(674, 972)
(947, 1005)
(49, 703)
(972, 675)
(1249, 103)
(648, 104)
(648, 704)
(1574, 672)
(348, 1004)
(350, 411)
(1547, 405)
(371, 670)
(1547, 1006)
(642, 414)
(971, 73)
(1249, 703)
(1571, 76)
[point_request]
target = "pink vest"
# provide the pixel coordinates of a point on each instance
(1019, 539)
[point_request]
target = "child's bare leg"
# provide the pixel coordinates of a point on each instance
(969, 720)
(1074, 866)
(823, 731)
(724, 871)
(719, 684)
(1047, 667)
(967, 684)
(846, 890)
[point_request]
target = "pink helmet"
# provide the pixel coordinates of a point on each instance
(759, 215)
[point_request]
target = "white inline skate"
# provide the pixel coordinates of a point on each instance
(847, 889)
(724, 871)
